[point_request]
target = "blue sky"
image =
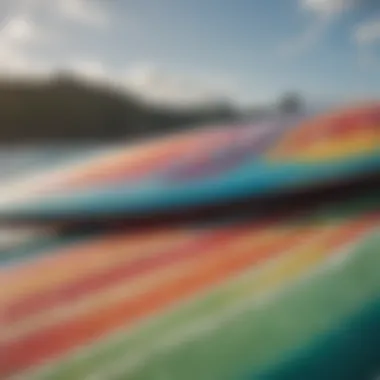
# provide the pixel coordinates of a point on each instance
(251, 51)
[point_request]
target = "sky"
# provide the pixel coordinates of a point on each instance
(194, 51)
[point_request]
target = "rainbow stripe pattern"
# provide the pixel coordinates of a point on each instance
(209, 165)
(293, 297)
(288, 295)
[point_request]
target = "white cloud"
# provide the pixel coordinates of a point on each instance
(366, 35)
(307, 39)
(21, 31)
(324, 13)
(11, 61)
(19, 28)
(328, 7)
(14, 62)
(28, 23)
(368, 32)
(90, 13)
(18, 33)
(89, 69)
(154, 85)
(157, 86)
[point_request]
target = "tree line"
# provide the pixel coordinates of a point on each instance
(67, 109)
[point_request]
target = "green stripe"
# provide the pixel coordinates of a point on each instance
(140, 339)
(110, 350)
(350, 352)
(262, 336)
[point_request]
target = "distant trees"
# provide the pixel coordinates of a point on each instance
(290, 103)
(67, 109)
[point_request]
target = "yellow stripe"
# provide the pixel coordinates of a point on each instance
(361, 142)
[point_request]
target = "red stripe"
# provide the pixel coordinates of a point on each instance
(93, 283)
(58, 339)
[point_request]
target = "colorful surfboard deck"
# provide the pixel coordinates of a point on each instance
(195, 169)
(291, 296)
(282, 286)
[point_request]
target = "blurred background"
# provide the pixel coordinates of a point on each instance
(76, 74)
(90, 71)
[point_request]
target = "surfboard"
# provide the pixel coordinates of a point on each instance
(288, 290)
(294, 295)
(202, 167)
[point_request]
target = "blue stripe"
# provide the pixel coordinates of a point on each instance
(152, 196)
